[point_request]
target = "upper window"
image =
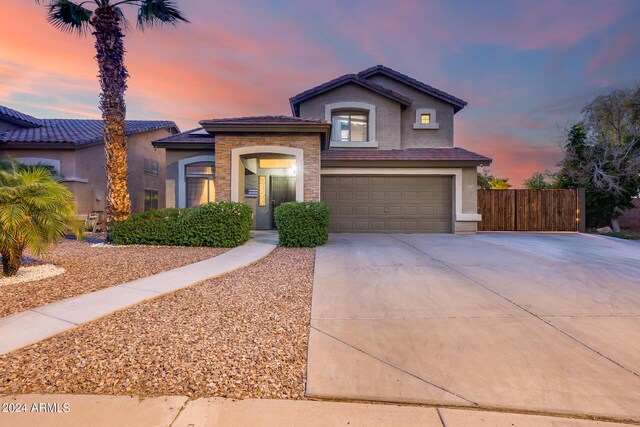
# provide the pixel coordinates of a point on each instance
(350, 126)
(426, 119)
(151, 167)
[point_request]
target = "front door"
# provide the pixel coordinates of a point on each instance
(283, 189)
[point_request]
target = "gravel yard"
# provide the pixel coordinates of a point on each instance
(241, 335)
(89, 268)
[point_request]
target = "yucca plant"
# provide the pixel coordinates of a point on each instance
(106, 21)
(35, 211)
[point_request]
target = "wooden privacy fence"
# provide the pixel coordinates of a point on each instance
(531, 210)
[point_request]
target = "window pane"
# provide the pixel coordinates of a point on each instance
(150, 199)
(358, 128)
(201, 168)
(200, 190)
(349, 127)
(425, 118)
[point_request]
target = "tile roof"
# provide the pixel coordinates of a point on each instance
(410, 154)
(342, 80)
(24, 119)
(262, 120)
(192, 136)
(77, 132)
(458, 103)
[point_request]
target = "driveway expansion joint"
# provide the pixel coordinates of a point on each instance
(396, 367)
(542, 319)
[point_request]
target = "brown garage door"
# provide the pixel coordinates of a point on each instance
(389, 204)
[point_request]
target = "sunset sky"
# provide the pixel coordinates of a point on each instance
(526, 68)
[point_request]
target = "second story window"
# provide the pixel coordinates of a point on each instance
(350, 126)
(151, 167)
(425, 118)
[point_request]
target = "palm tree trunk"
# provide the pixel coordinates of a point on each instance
(113, 80)
(11, 261)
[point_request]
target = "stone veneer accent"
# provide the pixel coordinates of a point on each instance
(309, 143)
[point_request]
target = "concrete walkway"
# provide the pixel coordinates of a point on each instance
(24, 328)
(548, 323)
(178, 411)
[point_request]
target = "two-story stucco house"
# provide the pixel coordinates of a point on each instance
(74, 150)
(376, 146)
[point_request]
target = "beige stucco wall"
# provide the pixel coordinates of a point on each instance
(309, 143)
(387, 111)
(412, 138)
(89, 164)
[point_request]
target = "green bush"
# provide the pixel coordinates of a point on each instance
(221, 224)
(302, 224)
(155, 227)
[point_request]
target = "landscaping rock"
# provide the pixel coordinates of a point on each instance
(604, 230)
(89, 268)
(241, 335)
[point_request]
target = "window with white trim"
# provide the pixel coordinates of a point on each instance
(200, 183)
(349, 126)
(426, 119)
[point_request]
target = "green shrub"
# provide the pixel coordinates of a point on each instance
(221, 224)
(302, 224)
(155, 227)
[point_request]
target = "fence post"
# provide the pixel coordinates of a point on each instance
(582, 211)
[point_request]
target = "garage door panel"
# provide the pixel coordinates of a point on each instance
(401, 204)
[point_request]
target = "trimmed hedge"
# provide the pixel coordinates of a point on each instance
(156, 227)
(302, 224)
(220, 224)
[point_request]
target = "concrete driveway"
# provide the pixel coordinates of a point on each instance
(526, 322)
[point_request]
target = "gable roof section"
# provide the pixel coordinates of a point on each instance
(71, 133)
(342, 80)
(458, 104)
(20, 119)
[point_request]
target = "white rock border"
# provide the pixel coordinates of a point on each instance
(32, 273)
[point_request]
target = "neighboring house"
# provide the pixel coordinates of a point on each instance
(74, 149)
(376, 146)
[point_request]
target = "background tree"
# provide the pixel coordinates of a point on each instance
(543, 181)
(602, 154)
(35, 210)
(107, 22)
(486, 181)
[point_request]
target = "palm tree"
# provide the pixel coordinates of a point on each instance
(106, 21)
(35, 210)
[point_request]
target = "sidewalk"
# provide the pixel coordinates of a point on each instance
(24, 328)
(178, 411)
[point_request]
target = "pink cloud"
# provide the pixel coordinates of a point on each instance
(612, 53)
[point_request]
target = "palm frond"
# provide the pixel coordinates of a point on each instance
(68, 16)
(155, 12)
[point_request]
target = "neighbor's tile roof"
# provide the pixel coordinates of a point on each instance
(458, 103)
(262, 120)
(13, 115)
(78, 132)
(410, 154)
(342, 80)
